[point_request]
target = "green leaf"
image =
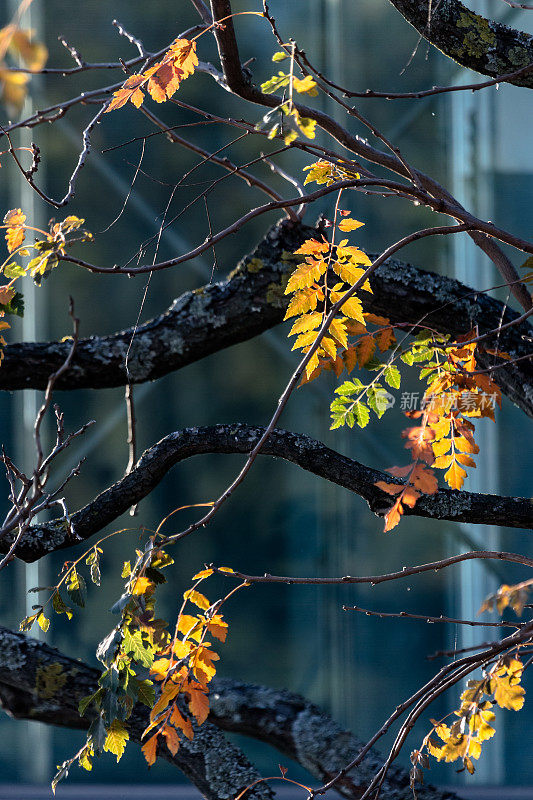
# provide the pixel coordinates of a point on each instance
(362, 414)
(349, 387)
(14, 271)
(392, 376)
(275, 83)
(97, 734)
(15, 305)
(116, 739)
(134, 645)
(374, 365)
(407, 357)
(76, 588)
(146, 693)
(91, 698)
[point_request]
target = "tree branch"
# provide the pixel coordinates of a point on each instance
(252, 300)
(473, 41)
(307, 453)
(290, 723)
(219, 769)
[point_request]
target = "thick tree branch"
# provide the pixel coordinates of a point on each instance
(307, 453)
(250, 301)
(473, 41)
(286, 721)
(30, 690)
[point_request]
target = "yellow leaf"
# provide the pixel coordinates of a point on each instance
(349, 224)
(441, 447)
(337, 329)
(205, 573)
(311, 365)
(508, 695)
(197, 598)
(14, 88)
(349, 273)
(186, 623)
(455, 476)
(305, 86)
(305, 275)
(304, 340)
(443, 462)
(306, 322)
(303, 301)
(116, 739)
(352, 308)
(142, 585)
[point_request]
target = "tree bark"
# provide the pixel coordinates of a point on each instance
(295, 727)
(480, 44)
(252, 300)
(307, 453)
(39, 683)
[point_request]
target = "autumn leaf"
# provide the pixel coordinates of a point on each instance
(305, 275)
(205, 573)
(306, 322)
(180, 722)
(184, 53)
(149, 749)
(116, 739)
(141, 585)
(349, 224)
(172, 739)
(312, 246)
(198, 704)
(508, 695)
(129, 91)
(303, 301)
(217, 627)
(305, 86)
(423, 479)
(365, 349)
(455, 476)
(197, 598)
(14, 220)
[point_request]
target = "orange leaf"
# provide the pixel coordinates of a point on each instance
(198, 705)
(393, 516)
(142, 585)
(390, 488)
(6, 294)
(129, 91)
(349, 224)
(150, 749)
(365, 349)
(312, 246)
(424, 479)
(217, 627)
(179, 721)
(172, 739)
